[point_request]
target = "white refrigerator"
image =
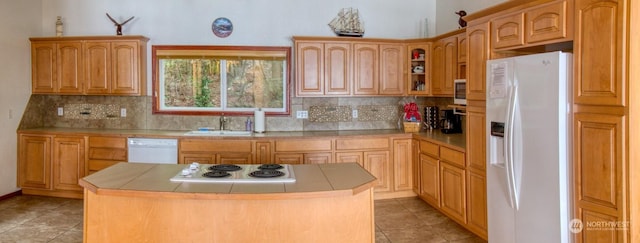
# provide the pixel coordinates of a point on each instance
(528, 148)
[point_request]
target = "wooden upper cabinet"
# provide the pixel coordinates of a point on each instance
(98, 56)
(309, 68)
(537, 25)
(57, 67)
(125, 67)
(450, 60)
(462, 48)
(507, 31)
(391, 69)
(337, 73)
(419, 55)
(365, 60)
(478, 39)
(437, 67)
(549, 22)
(598, 48)
(89, 65)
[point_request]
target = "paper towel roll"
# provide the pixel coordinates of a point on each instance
(258, 121)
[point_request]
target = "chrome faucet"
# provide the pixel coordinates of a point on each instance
(223, 121)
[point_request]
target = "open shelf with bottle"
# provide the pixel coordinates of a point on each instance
(419, 78)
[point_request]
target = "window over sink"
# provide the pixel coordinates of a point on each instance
(210, 80)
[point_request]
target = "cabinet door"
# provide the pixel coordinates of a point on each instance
(598, 48)
(477, 202)
(34, 163)
(43, 67)
(402, 165)
(430, 180)
(507, 31)
(125, 61)
(104, 152)
(450, 64)
(317, 158)
(337, 66)
(309, 69)
(98, 61)
(462, 48)
(548, 22)
(478, 38)
(350, 157)
(289, 158)
(70, 67)
(453, 192)
(598, 170)
(263, 153)
(391, 70)
(377, 163)
(437, 67)
(68, 162)
(476, 138)
(365, 69)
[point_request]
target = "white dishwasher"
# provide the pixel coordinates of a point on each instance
(153, 150)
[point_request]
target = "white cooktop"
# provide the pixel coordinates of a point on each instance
(193, 173)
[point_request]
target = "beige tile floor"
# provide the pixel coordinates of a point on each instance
(47, 219)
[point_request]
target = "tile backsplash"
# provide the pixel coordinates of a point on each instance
(103, 112)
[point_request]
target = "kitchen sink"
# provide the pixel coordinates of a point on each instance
(218, 133)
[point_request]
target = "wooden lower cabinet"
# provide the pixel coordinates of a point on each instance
(34, 161)
(68, 162)
(453, 192)
(217, 158)
(289, 158)
(105, 151)
(51, 165)
(350, 157)
(477, 202)
(402, 165)
(377, 163)
(430, 180)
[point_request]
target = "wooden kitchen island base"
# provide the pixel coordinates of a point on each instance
(119, 210)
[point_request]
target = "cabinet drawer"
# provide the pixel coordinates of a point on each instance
(201, 145)
(108, 142)
(361, 144)
(108, 153)
(453, 156)
(299, 145)
(96, 165)
(429, 148)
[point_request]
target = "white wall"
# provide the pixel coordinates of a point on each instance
(446, 17)
(20, 20)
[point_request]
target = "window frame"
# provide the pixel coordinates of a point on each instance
(191, 50)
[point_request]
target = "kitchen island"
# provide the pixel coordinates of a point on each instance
(131, 202)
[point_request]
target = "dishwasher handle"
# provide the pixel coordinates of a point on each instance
(152, 142)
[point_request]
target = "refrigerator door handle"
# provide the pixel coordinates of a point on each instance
(509, 144)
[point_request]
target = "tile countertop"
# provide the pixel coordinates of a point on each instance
(456, 139)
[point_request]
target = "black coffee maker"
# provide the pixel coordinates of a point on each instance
(450, 123)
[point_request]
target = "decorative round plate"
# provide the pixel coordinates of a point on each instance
(222, 27)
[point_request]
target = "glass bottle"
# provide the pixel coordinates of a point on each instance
(59, 26)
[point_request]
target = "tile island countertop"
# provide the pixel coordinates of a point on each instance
(312, 180)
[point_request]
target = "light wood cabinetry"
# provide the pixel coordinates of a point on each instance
(402, 165)
(323, 68)
(89, 65)
(207, 151)
(430, 179)
(453, 191)
(605, 177)
(444, 66)
(372, 154)
(34, 161)
(303, 151)
(57, 67)
(68, 162)
(51, 165)
(478, 47)
(346, 67)
(105, 151)
(419, 55)
(476, 170)
(540, 24)
(462, 56)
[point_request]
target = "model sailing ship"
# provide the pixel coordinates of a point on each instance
(347, 23)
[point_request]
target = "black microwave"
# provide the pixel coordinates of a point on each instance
(460, 91)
